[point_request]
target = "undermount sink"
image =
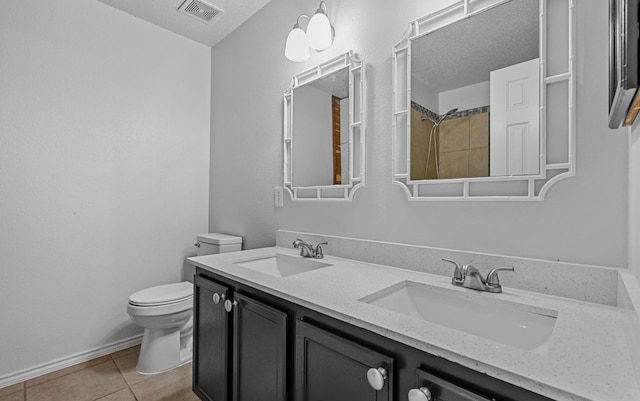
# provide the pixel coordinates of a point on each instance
(280, 265)
(518, 325)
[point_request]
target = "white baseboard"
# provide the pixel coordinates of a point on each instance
(48, 367)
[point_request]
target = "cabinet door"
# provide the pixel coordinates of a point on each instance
(210, 340)
(331, 368)
(441, 390)
(259, 351)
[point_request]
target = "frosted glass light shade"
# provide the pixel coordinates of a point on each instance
(297, 46)
(319, 32)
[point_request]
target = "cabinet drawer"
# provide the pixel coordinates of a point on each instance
(330, 367)
(442, 390)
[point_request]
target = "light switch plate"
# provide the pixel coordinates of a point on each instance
(277, 197)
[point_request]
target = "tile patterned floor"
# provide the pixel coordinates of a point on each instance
(109, 378)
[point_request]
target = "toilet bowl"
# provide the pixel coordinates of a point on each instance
(165, 313)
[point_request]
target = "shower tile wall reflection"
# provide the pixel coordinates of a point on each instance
(464, 147)
(420, 130)
(462, 144)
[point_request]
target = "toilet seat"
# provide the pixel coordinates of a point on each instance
(160, 310)
(166, 294)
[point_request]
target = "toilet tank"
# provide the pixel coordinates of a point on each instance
(217, 243)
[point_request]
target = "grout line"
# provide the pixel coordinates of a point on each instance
(68, 361)
(135, 397)
(122, 375)
(128, 385)
(66, 374)
(133, 394)
(13, 392)
(107, 395)
(111, 359)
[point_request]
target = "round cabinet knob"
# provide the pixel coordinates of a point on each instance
(217, 298)
(228, 305)
(420, 394)
(376, 378)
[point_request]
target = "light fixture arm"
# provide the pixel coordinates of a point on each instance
(326, 10)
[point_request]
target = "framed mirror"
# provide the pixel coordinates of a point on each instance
(324, 132)
(483, 101)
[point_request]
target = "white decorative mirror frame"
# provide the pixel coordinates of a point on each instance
(355, 178)
(557, 112)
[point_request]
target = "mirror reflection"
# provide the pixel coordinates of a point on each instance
(475, 89)
(321, 126)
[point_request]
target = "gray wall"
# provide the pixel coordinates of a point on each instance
(583, 219)
(104, 149)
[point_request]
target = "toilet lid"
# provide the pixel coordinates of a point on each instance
(162, 294)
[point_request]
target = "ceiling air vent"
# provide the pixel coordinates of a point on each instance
(200, 10)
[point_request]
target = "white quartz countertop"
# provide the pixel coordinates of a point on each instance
(589, 356)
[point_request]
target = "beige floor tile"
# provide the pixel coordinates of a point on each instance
(66, 371)
(15, 396)
(122, 395)
(127, 365)
(127, 351)
(174, 385)
(85, 385)
(11, 389)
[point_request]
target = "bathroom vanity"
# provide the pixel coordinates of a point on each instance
(272, 325)
(254, 345)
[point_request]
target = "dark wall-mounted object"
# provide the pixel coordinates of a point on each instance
(623, 58)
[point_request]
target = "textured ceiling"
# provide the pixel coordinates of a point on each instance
(164, 14)
(465, 52)
(336, 84)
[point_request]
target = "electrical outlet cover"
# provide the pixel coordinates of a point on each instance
(278, 197)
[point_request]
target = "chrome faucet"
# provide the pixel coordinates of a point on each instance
(468, 276)
(307, 250)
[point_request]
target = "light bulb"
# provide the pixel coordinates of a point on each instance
(297, 47)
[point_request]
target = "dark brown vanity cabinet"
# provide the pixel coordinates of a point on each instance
(210, 340)
(270, 349)
(240, 346)
(330, 367)
(259, 351)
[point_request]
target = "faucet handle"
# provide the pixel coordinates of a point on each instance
(457, 273)
(492, 277)
(318, 251)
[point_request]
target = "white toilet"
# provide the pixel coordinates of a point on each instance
(165, 312)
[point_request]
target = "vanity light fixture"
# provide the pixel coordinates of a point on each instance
(319, 30)
(297, 47)
(319, 35)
